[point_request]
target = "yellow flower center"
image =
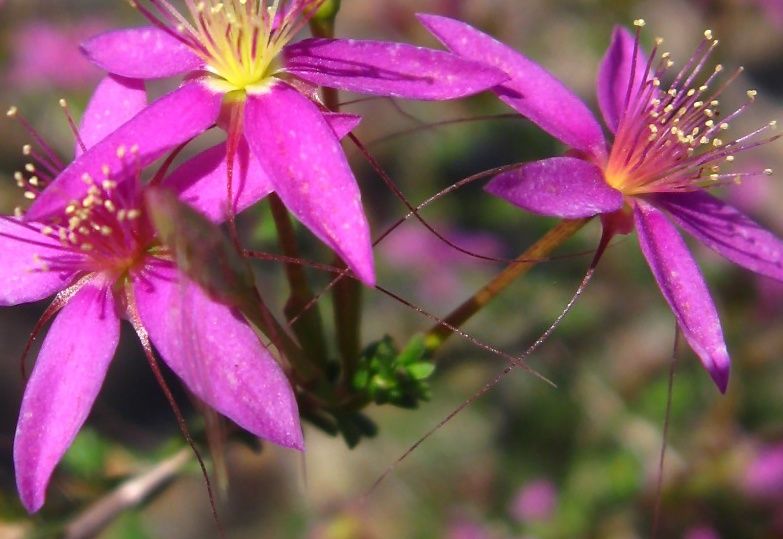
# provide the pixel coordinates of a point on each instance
(240, 40)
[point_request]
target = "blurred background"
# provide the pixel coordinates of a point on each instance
(526, 460)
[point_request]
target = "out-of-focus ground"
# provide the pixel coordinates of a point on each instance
(526, 460)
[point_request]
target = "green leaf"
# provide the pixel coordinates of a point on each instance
(421, 370)
(414, 351)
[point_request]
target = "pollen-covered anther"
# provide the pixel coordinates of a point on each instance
(238, 40)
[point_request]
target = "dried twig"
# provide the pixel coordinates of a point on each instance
(129, 494)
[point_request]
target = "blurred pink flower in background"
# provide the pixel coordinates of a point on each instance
(463, 527)
(45, 54)
(772, 9)
(417, 250)
(764, 476)
(536, 500)
(701, 532)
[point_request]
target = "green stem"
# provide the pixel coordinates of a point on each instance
(258, 313)
(537, 252)
(347, 293)
(322, 22)
(309, 327)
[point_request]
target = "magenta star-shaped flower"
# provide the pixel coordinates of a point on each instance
(242, 72)
(668, 150)
(100, 256)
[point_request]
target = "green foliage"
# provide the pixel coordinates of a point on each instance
(388, 376)
(87, 455)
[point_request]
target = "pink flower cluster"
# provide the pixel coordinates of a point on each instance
(88, 237)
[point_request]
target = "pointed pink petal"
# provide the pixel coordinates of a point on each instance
(64, 384)
(684, 288)
(393, 69)
(532, 91)
(218, 356)
(202, 181)
(341, 123)
(308, 169)
(615, 74)
(166, 123)
(560, 187)
(115, 101)
(25, 259)
(141, 53)
(726, 230)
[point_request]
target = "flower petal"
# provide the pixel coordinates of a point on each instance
(141, 53)
(560, 187)
(218, 356)
(726, 230)
(532, 91)
(115, 101)
(393, 69)
(203, 181)
(25, 259)
(684, 288)
(341, 123)
(309, 171)
(166, 123)
(66, 380)
(614, 77)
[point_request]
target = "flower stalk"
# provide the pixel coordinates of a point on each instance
(347, 292)
(308, 327)
(532, 256)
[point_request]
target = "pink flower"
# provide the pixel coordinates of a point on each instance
(536, 500)
(45, 54)
(668, 148)
(764, 477)
(100, 256)
(242, 72)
